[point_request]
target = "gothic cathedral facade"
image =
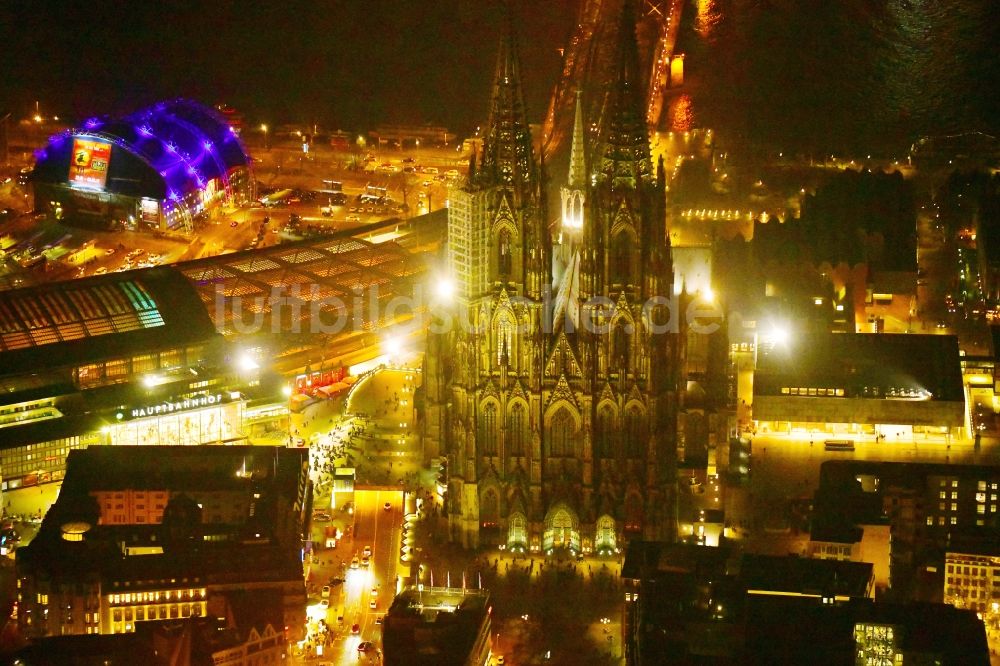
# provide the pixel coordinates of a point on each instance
(552, 387)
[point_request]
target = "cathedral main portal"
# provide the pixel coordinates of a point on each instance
(561, 531)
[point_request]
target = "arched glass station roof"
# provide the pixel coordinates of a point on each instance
(184, 142)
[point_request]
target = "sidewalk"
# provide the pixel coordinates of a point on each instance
(33, 500)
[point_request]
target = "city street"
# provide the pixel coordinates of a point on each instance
(357, 604)
(372, 425)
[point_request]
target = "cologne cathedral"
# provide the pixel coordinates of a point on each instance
(552, 394)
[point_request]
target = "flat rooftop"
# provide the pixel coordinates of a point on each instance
(804, 575)
(863, 365)
(435, 626)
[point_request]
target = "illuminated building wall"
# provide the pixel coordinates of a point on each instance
(127, 359)
(105, 560)
(972, 581)
(121, 611)
(876, 645)
(145, 507)
(891, 385)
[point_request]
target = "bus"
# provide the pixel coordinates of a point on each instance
(279, 198)
(333, 197)
(839, 445)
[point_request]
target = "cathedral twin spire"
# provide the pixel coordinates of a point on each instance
(625, 158)
(577, 156)
(507, 146)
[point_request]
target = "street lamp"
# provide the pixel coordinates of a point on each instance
(263, 128)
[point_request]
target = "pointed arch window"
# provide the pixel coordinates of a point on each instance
(605, 432)
(621, 258)
(562, 432)
(635, 432)
(633, 513)
(620, 345)
(505, 339)
(518, 429)
(488, 430)
(505, 261)
(489, 510)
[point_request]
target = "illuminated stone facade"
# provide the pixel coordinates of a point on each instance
(555, 403)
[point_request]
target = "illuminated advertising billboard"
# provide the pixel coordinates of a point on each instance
(89, 164)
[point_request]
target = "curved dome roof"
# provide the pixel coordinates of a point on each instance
(187, 143)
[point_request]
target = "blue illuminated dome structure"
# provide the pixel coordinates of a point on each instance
(166, 167)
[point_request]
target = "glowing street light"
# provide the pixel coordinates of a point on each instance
(150, 381)
(392, 346)
(246, 363)
(444, 288)
(778, 335)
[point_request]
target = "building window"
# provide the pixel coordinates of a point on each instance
(505, 339)
(488, 432)
(489, 511)
(954, 520)
(562, 433)
(605, 432)
(635, 433)
(621, 251)
(518, 435)
(504, 260)
(620, 344)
